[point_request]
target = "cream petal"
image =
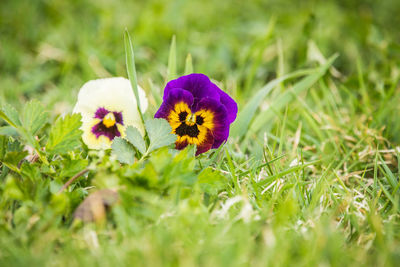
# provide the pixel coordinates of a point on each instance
(114, 94)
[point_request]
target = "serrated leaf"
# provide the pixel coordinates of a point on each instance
(10, 115)
(33, 117)
(159, 132)
(135, 138)
(65, 134)
(123, 150)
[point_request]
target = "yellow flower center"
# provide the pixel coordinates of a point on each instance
(109, 120)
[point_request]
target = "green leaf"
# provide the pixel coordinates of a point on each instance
(212, 181)
(135, 138)
(131, 69)
(171, 74)
(188, 64)
(159, 132)
(33, 117)
(123, 150)
(283, 99)
(10, 115)
(3, 146)
(30, 171)
(55, 186)
(8, 130)
(72, 167)
(12, 159)
(12, 189)
(65, 134)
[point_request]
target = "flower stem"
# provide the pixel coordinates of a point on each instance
(73, 178)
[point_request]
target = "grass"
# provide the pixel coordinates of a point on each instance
(310, 173)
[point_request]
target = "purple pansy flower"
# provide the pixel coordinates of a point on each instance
(198, 111)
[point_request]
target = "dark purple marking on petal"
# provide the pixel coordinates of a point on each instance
(220, 130)
(118, 117)
(100, 129)
(101, 113)
(207, 144)
(174, 96)
(228, 102)
(181, 144)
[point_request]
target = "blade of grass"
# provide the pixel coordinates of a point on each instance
(233, 172)
(260, 166)
(131, 69)
(188, 64)
(171, 73)
(287, 96)
(242, 122)
(285, 172)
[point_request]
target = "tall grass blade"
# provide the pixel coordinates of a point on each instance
(131, 69)
(188, 64)
(289, 95)
(246, 114)
(171, 74)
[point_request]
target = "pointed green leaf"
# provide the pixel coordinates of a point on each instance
(188, 65)
(172, 60)
(135, 138)
(159, 132)
(10, 115)
(131, 69)
(65, 134)
(123, 150)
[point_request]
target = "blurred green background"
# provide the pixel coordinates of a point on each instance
(50, 48)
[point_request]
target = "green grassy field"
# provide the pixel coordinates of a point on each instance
(308, 177)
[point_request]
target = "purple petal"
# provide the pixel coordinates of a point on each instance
(228, 102)
(118, 117)
(220, 130)
(173, 96)
(199, 85)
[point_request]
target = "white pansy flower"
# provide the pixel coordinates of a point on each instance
(107, 107)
